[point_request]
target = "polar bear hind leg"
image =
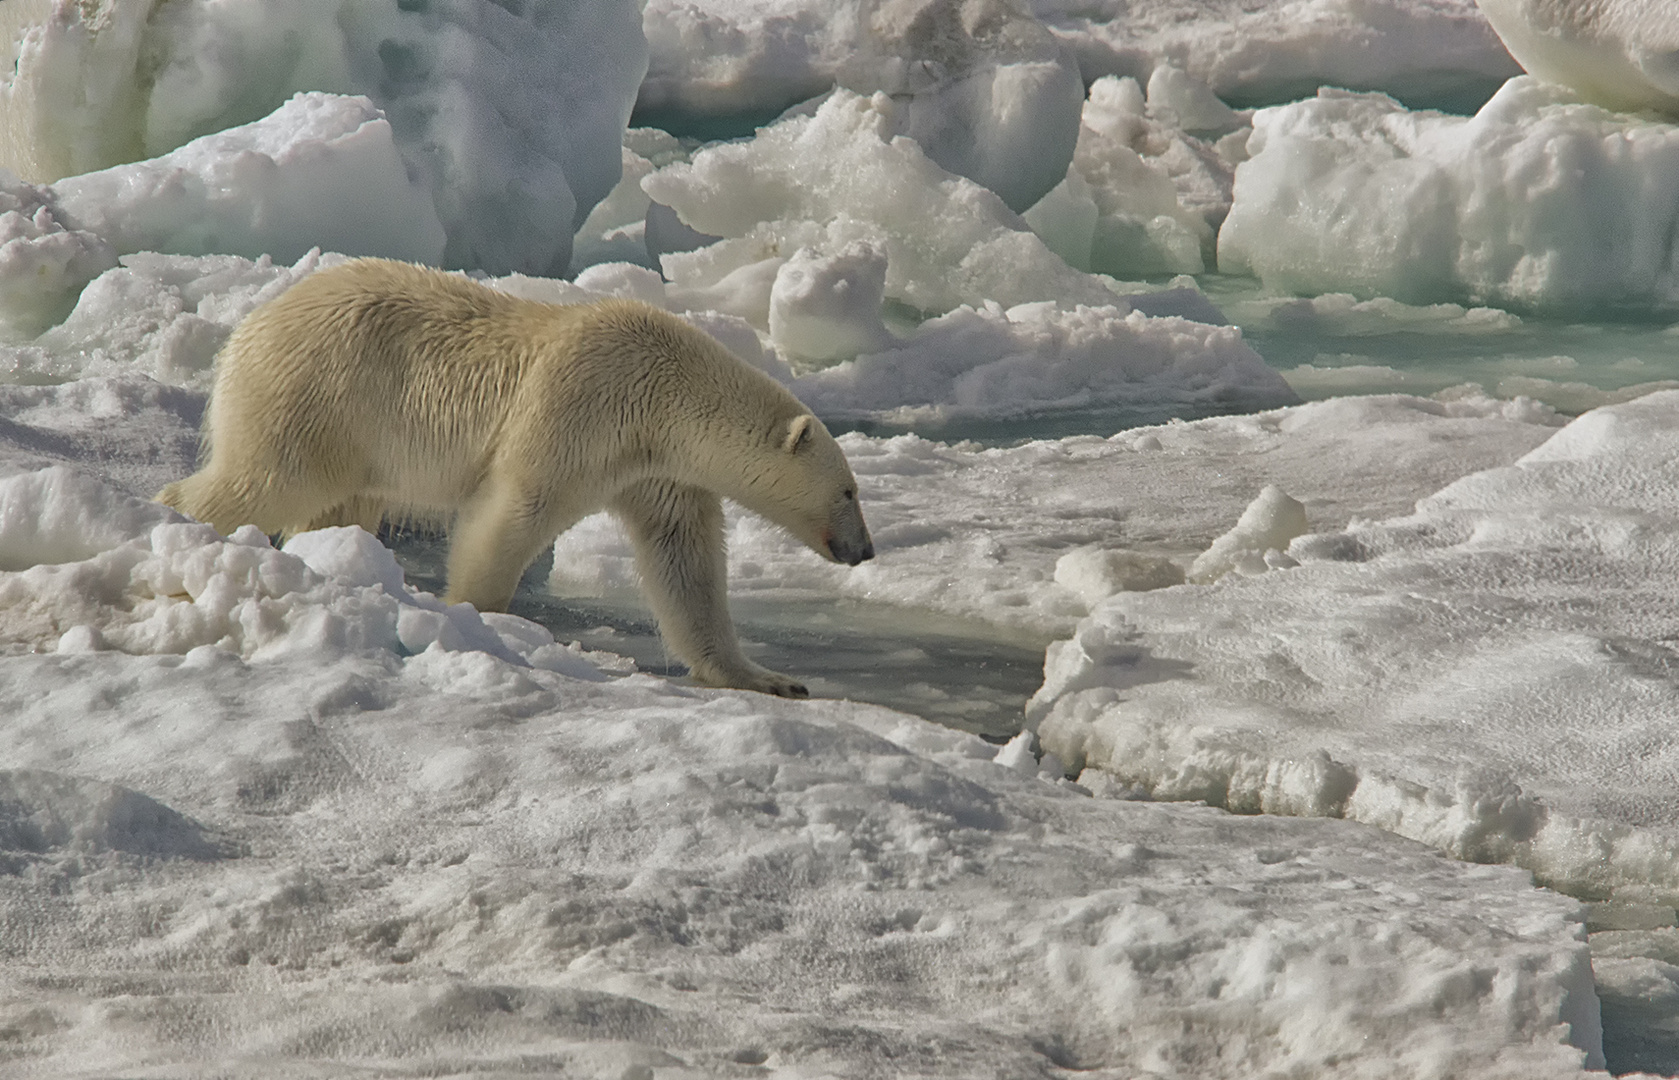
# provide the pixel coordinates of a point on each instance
(226, 499)
(500, 529)
(677, 531)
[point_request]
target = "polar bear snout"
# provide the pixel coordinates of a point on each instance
(850, 553)
(847, 539)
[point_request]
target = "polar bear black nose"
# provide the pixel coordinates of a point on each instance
(849, 555)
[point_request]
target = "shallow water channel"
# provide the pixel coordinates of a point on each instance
(950, 671)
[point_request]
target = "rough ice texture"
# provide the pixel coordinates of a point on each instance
(1488, 675)
(985, 89)
(1621, 54)
(1039, 358)
(979, 533)
(43, 262)
(1538, 201)
(511, 115)
(319, 171)
(1141, 197)
(820, 181)
(1433, 53)
(162, 315)
(282, 791)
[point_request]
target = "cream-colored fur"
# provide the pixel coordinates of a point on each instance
(381, 388)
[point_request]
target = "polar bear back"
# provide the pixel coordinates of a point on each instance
(410, 385)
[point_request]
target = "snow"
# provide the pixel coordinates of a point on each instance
(1537, 201)
(279, 812)
(1486, 674)
(985, 89)
(1432, 53)
(509, 115)
(320, 170)
(1621, 54)
(754, 58)
(817, 181)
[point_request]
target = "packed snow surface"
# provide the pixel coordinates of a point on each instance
(271, 810)
(1489, 674)
(1537, 201)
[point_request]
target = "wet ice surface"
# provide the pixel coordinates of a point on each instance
(966, 676)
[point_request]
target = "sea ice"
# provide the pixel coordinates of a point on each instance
(358, 828)
(1621, 54)
(984, 88)
(319, 171)
(1488, 674)
(1431, 53)
(843, 175)
(510, 115)
(1537, 201)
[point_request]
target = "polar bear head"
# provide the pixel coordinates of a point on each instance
(804, 485)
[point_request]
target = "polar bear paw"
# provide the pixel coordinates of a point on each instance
(749, 676)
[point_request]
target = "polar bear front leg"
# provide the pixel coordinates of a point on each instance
(677, 530)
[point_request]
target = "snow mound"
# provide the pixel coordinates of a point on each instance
(1353, 193)
(1118, 210)
(43, 262)
(1517, 620)
(319, 171)
(86, 568)
(985, 89)
(164, 316)
(817, 181)
(1431, 53)
(1040, 358)
(510, 115)
(1621, 54)
(42, 811)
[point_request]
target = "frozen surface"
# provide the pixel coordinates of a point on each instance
(270, 811)
(1621, 54)
(818, 181)
(746, 58)
(1434, 53)
(986, 90)
(510, 115)
(1537, 201)
(1490, 674)
(319, 171)
(1141, 197)
(981, 533)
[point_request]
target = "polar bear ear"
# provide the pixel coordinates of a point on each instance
(798, 433)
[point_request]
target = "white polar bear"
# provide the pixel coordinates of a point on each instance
(380, 387)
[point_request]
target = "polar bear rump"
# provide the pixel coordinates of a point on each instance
(378, 389)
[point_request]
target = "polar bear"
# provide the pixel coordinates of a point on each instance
(381, 387)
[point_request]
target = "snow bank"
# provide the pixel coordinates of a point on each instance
(86, 568)
(1488, 675)
(511, 116)
(986, 91)
(1039, 358)
(822, 181)
(319, 171)
(1621, 54)
(1120, 209)
(160, 315)
(1431, 53)
(1537, 201)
